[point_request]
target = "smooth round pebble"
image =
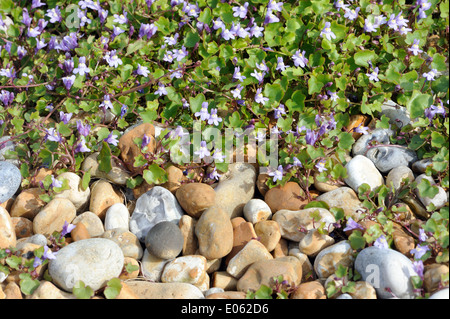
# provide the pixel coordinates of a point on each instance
(117, 216)
(257, 210)
(10, 180)
(164, 240)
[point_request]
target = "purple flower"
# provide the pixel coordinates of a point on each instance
(6, 97)
(121, 19)
(259, 98)
(21, 52)
(379, 20)
(297, 162)
(191, 10)
(52, 135)
(68, 66)
(56, 183)
(361, 129)
(178, 132)
(168, 56)
(48, 254)
(227, 34)
(142, 70)
(277, 174)
(69, 42)
(401, 22)
(327, 33)
(431, 111)
(213, 118)
(112, 59)
(419, 251)
(203, 113)
(338, 4)
(239, 31)
(256, 31)
(82, 69)
(102, 14)
(415, 47)
(65, 117)
(270, 17)
(280, 110)
(237, 74)
(299, 58)
(172, 40)
(54, 14)
(218, 24)
(9, 73)
(237, 91)
(40, 44)
(112, 139)
(81, 147)
(37, 4)
(430, 75)
(145, 140)
(280, 65)
(67, 228)
(418, 268)
(404, 30)
(106, 102)
(373, 76)
(180, 54)
(351, 224)
(117, 31)
(392, 22)
(33, 32)
(333, 95)
(218, 156)
(161, 90)
(26, 17)
(321, 166)
(311, 137)
(203, 151)
(422, 235)
(214, 174)
(240, 11)
(369, 26)
(84, 130)
(351, 14)
(83, 18)
(259, 75)
(275, 6)
(381, 243)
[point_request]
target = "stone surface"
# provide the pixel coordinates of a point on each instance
(268, 233)
(53, 216)
(75, 194)
(386, 158)
(379, 136)
(441, 294)
(27, 204)
(194, 198)
(403, 242)
(261, 183)
(10, 180)
(396, 176)
(174, 178)
(156, 205)
(433, 276)
(227, 295)
(94, 261)
(80, 232)
(116, 175)
(6, 147)
(12, 291)
(243, 232)
(361, 170)
(235, 188)
(126, 240)
(310, 290)
(285, 197)
(314, 242)
(134, 274)
(187, 228)
(345, 198)
(103, 196)
(157, 290)
(164, 240)
(398, 115)
(324, 186)
(363, 290)
(328, 260)
(92, 222)
(439, 200)
(386, 268)
(214, 232)
(7, 231)
(291, 222)
(224, 280)
(129, 150)
(187, 269)
(257, 210)
(152, 266)
(307, 267)
(23, 227)
(355, 121)
(47, 290)
(117, 216)
(252, 252)
(421, 166)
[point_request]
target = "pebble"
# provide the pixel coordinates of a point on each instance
(291, 222)
(421, 166)
(379, 136)
(92, 222)
(156, 290)
(261, 183)
(363, 290)
(310, 290)
(103, 196)
(152, 266)
(94, 261)
(47, 290)
(345, 198)
(398, 115)
(441, 294)
(433, 276)
(12, 291)
(252, 252)
(134, 274)
(268, 233)
(224, 280)
(386, 158)
(324, 186)
(328, 259)
(227, 295)
(7, 233)
(27, 204)
(235, 189)
(126, 240)
(186, 269)
(396, 176)
(361, 170)
(195, 198)
(314, 242)
(23, 227)
(10, 180)
(80, 232)
(175, 177)
(344, 296)
(403, 242)
(187, 228)
(53, 216)
(8, 146)
(286, 197)
(214, 232)
(257, 210)
(164, 240)
(355, 121)
(75, 194)
(386, 268)
(307, 267)
(116, 175)
(243, 232)
(117, 216)
(156, 205)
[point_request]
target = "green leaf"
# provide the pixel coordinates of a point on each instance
(418, 103)
(357, 241)
(136, 45)
(27, 284)
(125, 72)
(130, 268)
(426, 189)
(297, 102)
(362, 58)
(81, 291)
(113, 288)
(191, 39)
(346, 140)
(196, 102)
(438, 140)
(104, 158)
(205, 16)
(264, 292)
(155, 175)
(85, 180)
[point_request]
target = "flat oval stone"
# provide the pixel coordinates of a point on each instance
(386, 158)
(117, 216)
(362, 170)
(94, 261)
(10, 180)
(7, 233)
(381, 136)
(8, 146)
(164, 240)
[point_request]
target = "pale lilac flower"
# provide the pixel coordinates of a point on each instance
(52, 135)
(81, 147)
(9, 73)
(240, 11)
(161, 90)
(69, 42)
(297, 162)
(262, 66)
(259, 98)
(102, 14)
(218, 24)
(148, 30)
(369, 26)
(180, 54)
(67, 228)
(112, 59)
(37, 262)
(218, 156)
(40, 44)
(401, 22)
(112, 139)
(351, 224)
(415, 47)
(321, 166)
(21, 52)
(84, 130)
(33, 32)
(82, 69)
(237, 91)
(431, 111)
(423, 6)
(379, 20)
(275, 130)
(117, 31)
(106, 102)
(48, 254)
(68, 81)
(145, 140)
(239, 31)
(381, 243)
(178, 132)
(237, 74)
(275, 6)
(83, 18)
(404, 30)
(277, 174)
(280, 110)
(256, 31)
(351, 14)
(299, 59)
(338, 4)
(327, 33)
(56, 183)
(227, 34)
(214, 174)
(392, 23)
(176, 74)
(37, 4)
(172, 39)
(259, 75)
(271, 17)
(333, 95)
(430, 75)
(361, 129)
(419, 251)
(203, 113)
(65, 117)
(213, 118)
(373, 76)
(142, 70)
(54, 14)
(6, 97)
(203, 151)
(419, 268)
(280, 65)
(121, 19)
(422, 235)
(168, 56)
(191, 10)
(26, 19)
(311, 137)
